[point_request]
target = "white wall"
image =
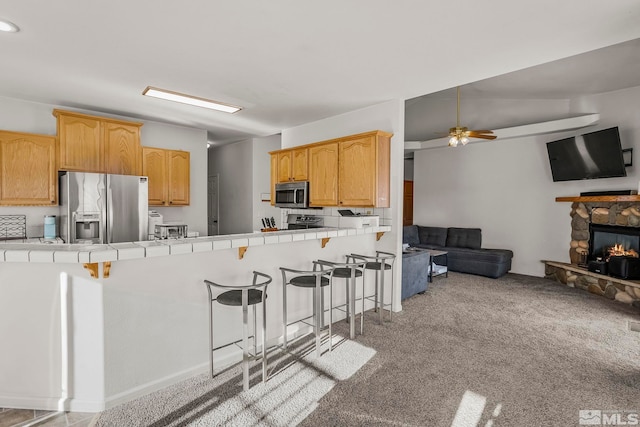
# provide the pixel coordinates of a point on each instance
(262, 179)
(234, 163)
(387, 116)
(505, 187)
(24, 116)
(195, 141)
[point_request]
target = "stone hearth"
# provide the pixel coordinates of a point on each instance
(625, 214)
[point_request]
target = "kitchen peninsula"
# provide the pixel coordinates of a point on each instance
(141, 324)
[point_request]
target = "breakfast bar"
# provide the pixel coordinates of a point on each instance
(109, 323)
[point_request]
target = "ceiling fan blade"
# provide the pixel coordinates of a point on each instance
(481, 131)
(483, 136)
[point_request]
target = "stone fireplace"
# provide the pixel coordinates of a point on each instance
(606, 222)
(597, 223)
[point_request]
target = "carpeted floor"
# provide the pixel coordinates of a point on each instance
(471, 351)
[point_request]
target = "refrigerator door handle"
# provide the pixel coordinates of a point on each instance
(109, 213)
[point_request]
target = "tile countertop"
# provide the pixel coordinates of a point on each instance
(32, 250)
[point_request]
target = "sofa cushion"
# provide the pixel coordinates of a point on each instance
(410, 235)
(435, 236)
(464, 238)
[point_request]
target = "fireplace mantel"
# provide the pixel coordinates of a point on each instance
(592, 199)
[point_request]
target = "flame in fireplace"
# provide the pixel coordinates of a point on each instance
(619, 250)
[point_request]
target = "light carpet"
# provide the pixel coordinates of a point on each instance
(297, 381)
(471, 351)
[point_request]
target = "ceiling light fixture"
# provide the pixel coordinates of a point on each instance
(188, 99)
(8, 27)
(461, 134)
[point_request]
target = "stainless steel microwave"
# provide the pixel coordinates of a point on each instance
(292, 194)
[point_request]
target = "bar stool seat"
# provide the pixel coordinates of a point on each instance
(316, 279)
(234, 298)
(350, 270)
(308, 281)
(376, 266)
(242, 296)
(345, 273)
(380, 263)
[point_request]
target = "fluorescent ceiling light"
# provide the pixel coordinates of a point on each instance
(188, 99)
(8, 27)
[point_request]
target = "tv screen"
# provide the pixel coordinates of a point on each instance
(589, 156)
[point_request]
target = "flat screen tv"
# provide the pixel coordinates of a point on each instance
(588, 156)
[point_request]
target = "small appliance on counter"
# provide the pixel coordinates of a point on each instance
(297, 222)
(49, 226)
(359, 221)
(155, 218)
(170, 231)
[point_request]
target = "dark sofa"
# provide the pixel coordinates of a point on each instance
(463, 245)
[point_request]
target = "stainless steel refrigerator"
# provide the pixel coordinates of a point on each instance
(103, 208)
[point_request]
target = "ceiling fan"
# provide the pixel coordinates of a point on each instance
(461, 135)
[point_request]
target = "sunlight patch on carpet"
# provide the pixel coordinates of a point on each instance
(292, 392)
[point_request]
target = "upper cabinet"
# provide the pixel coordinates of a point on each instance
(169, 176)
(179, 181)
(97, 144)
(364, 170)
(292, 165)
(323, 174)
(28, 173)
(351, 171)
(122, 148)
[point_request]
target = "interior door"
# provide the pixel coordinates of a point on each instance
(213, 208)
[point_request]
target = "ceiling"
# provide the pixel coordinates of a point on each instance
(286, 62)
(536, 94)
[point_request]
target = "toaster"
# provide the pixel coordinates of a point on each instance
(170, 231)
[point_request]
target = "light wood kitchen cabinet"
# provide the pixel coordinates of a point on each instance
(293, 165)
(122, 148)
(28, 174)
(323, 174)
(97, 144)
(169, 176)
(351, 171)
(364, 170)
(179, 181)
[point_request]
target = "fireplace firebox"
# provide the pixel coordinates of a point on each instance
(613, 240)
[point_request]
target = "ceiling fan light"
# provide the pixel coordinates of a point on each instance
(453, 142)
(464, 140)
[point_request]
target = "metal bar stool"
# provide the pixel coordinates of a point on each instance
(350, 270)
(242, 296)
(316, 279)
(378, 263)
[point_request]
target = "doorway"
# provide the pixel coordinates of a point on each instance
(213, 209)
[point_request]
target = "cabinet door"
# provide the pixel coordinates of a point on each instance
(81, 144)
(284, 166)
(323, 175)
(122, 148)
(358, 172)
(28, 173)
(154, 166)
(179, 182)
(300, 164)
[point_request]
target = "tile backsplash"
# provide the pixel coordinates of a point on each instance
(331, 215)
